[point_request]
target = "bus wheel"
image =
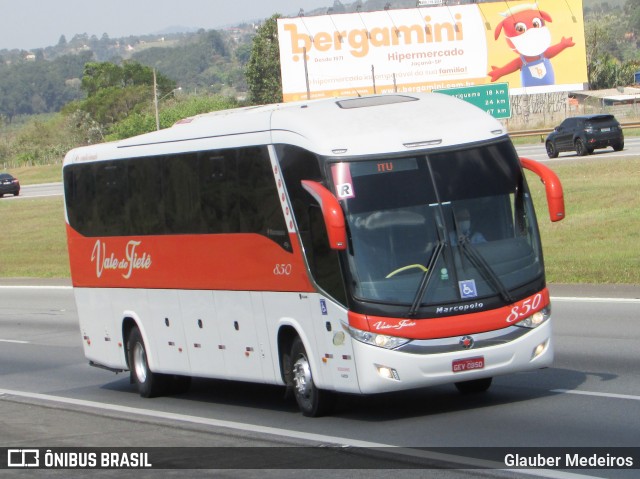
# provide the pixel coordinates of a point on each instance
(149, 384)
(474, 386)
(313, 402)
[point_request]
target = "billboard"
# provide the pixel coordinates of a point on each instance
(535, 47)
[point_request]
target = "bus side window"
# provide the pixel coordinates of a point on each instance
(324, 261)
(146, 203)
(298, 164)
(213, 201)
(111, 194)
(182, 194)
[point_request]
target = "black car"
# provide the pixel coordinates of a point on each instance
(583, 134)
(9, 185)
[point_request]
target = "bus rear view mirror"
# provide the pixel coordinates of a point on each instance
(552, 186)
(331, 212)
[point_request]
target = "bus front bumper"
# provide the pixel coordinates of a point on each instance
(381, 370)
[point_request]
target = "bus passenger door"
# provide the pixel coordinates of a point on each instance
(202, 334)
(165, 326)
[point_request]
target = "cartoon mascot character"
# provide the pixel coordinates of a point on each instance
(527, 35)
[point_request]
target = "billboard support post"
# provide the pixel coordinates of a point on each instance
(306, 72)
(373, 78)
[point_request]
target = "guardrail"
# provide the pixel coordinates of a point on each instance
(545, 131)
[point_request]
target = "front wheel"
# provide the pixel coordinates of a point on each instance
(474, 386)
(313, 402)
(149, 384)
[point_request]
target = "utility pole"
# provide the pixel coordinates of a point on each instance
(155, 99)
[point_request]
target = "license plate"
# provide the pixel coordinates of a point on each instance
(468, 364)
(605, 129)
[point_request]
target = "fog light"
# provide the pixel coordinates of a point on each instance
(539, 349)
(387, 372)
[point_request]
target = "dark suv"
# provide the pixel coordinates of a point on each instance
(583, 134)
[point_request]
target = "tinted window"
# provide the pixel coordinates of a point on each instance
(225, 191)
(297, 165)
(602, 120)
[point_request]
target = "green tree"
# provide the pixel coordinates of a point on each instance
(116, 91)
(605, 71)
(632, 13)
(144, 121)
(101, 75)
(263, 70)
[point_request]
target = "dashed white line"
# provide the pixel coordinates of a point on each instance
(594, 300)
(597, 394)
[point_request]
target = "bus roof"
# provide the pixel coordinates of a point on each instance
(375, 124)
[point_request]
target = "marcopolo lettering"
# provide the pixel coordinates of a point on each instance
(359, 41)
(460, 308)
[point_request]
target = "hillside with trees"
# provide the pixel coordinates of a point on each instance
(91, 89)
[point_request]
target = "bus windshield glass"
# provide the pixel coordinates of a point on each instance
(435, 228)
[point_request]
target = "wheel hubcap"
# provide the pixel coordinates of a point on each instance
(302, 377)
(140, 362)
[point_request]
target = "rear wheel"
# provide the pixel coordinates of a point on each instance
(581, 148)
(552, 152)
(149, 384)
(474, 386)
(618, 145)
(313, 402)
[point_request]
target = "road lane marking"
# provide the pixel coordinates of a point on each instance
(597, 394)
(464, 462)
(16, 341)
(595, 300)
(17, 286)
(553, 298)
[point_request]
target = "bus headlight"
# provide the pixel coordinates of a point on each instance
(380, 340)
(536, 319)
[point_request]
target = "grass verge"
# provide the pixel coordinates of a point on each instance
(596, 243)
(598, 240)
(33, 239)
(33, 175)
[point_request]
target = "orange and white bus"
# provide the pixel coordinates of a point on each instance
(319, 245)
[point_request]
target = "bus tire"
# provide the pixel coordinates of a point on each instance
(149, 384)
(313, 402)
(474, 386)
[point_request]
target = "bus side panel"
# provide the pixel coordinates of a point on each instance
(237, 322)
(293, 310)
(270, 373)
(202, 333)
(165, 327)
(99, 328)
(335, 344)
(242, 261)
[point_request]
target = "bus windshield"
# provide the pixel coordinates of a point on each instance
(434, 228)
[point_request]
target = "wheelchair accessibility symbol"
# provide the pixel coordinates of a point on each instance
(468, 289)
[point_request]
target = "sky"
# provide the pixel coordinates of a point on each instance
(31, 24)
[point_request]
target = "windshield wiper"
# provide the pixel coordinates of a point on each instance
(426, 278)
(481, 264)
